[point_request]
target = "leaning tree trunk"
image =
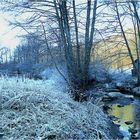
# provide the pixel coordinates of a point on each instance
(127, 44)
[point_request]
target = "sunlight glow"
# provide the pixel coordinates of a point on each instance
(8, 37)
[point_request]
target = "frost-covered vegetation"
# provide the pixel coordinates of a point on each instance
(41, 110)
(90, 46)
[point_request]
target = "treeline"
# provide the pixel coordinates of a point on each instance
(70, 30)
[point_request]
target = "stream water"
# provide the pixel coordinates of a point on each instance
(127, 116)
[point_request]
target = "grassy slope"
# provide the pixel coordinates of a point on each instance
(37, 110)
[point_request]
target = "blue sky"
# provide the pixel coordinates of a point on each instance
(8, 37)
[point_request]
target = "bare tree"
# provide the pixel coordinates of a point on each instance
(130, 8)
(29, 51)
(4, 54)
(78, 70)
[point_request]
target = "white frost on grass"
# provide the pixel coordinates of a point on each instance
(40, 110)
(123, 78)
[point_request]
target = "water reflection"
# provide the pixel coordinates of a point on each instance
(128, 116)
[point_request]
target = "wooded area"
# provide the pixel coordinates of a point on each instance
(92, 44)
(70, 31)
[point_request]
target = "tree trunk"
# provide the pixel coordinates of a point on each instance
(77, 74)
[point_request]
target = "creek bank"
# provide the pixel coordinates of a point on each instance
(120, 101)
(126, 117)
(109, 97)
(127, 86)
(104, 99)
(123, 88)
(123, 111)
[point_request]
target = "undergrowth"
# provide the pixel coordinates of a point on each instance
(41, 110)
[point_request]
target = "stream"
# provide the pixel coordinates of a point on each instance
(126, 114)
